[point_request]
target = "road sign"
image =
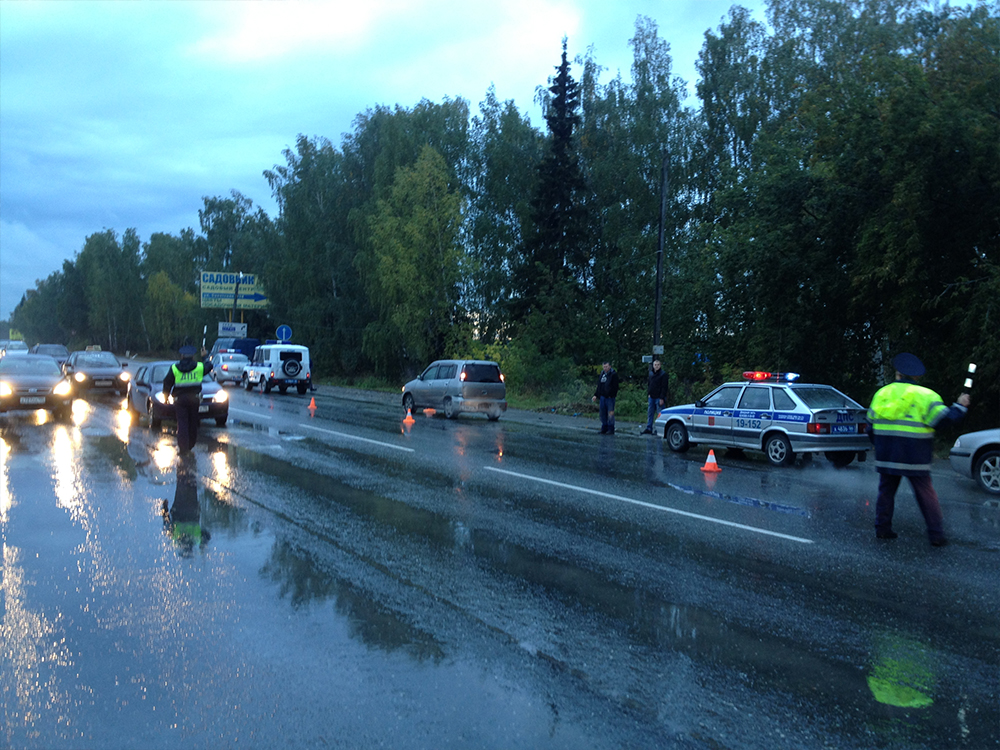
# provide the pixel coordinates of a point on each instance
(232, 330)
(284, 334)
(219, 288)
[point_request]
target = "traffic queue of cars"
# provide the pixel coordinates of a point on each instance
(773, 413)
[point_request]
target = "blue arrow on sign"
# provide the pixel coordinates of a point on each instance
(284, 334)
(255, 297)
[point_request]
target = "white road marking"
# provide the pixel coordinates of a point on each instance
(251, 413)
(355, 437)
(651, 506)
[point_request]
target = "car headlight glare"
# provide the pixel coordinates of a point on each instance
(221, 397)
(63, 389)
(6, 390)
(79, 377)
(124, 376)
(162, 397)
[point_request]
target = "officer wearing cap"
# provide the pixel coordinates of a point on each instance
(903, 417)
(183, 382)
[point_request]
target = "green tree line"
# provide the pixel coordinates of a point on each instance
(833, 198)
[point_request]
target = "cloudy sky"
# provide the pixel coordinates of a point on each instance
(126, 114)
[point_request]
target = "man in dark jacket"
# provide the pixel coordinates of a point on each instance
(657, 390)
(183, 383)
(903, 417)
(607, 390)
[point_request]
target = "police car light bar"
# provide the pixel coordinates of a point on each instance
(777, 377)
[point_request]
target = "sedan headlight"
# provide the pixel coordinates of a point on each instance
(124, 376)
(163, 398)
(79, 377)
(958, 443)
(5, 389)
(64, 388)
(221, 397)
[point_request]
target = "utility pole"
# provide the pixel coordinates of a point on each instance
(664, 186)
(236, 296)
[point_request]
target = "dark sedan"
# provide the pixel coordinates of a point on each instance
(34, 381)
(145, 396)
(96, 371)
(58, 352)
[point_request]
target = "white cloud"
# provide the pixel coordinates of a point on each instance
(124, 115)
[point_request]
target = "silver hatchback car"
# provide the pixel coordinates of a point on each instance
(459, 385)
(773, 413)
(228, 366)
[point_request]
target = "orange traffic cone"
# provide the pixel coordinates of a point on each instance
(409, 418)
(710, 464)
(312, 403)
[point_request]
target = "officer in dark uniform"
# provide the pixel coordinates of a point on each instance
(183, 383)
(903, 417)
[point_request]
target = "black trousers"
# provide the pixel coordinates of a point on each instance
(187, 423)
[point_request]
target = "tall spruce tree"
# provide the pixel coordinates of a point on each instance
(552, 277)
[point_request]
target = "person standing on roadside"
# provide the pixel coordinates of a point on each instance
(657, 391)
(903, 417)
(607, 391)
(183, 382)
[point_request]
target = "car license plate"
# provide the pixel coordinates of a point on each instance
(32, 400)
(843, 428)
(102, 383)
(203, 408)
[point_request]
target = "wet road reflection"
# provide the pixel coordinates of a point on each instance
(283, 588)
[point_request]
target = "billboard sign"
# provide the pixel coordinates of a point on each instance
(219, 290)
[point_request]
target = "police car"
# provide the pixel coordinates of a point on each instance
(773, 413)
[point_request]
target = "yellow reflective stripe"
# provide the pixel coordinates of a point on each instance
(901, 427)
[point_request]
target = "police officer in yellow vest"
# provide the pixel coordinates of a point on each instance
(183, 382)
(903, 417)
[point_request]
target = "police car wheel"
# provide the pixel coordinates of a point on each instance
(779, 450)
(677, 437)
(987, 472)
(291, 367)
(246, 382)
(840, 459)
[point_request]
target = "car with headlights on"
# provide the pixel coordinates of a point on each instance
(58, 352)
(34, 381)
(145, 396)
(93, 370)
(977, 454)
(773, 413)
(228, 366)
(458, 385)
(13, 347)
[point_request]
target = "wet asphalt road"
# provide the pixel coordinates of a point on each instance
(337, 578)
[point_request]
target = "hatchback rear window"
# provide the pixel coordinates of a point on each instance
(481, 373)
(825, 398)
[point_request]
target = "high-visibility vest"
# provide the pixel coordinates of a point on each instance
(904, 409)
(190, 379)
(903, 416)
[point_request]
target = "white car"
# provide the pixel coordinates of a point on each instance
(773, 413)
(14, 347)
(228, 367)
(282, 366)
(977, 454)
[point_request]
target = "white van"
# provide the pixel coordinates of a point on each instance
(282, 365)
